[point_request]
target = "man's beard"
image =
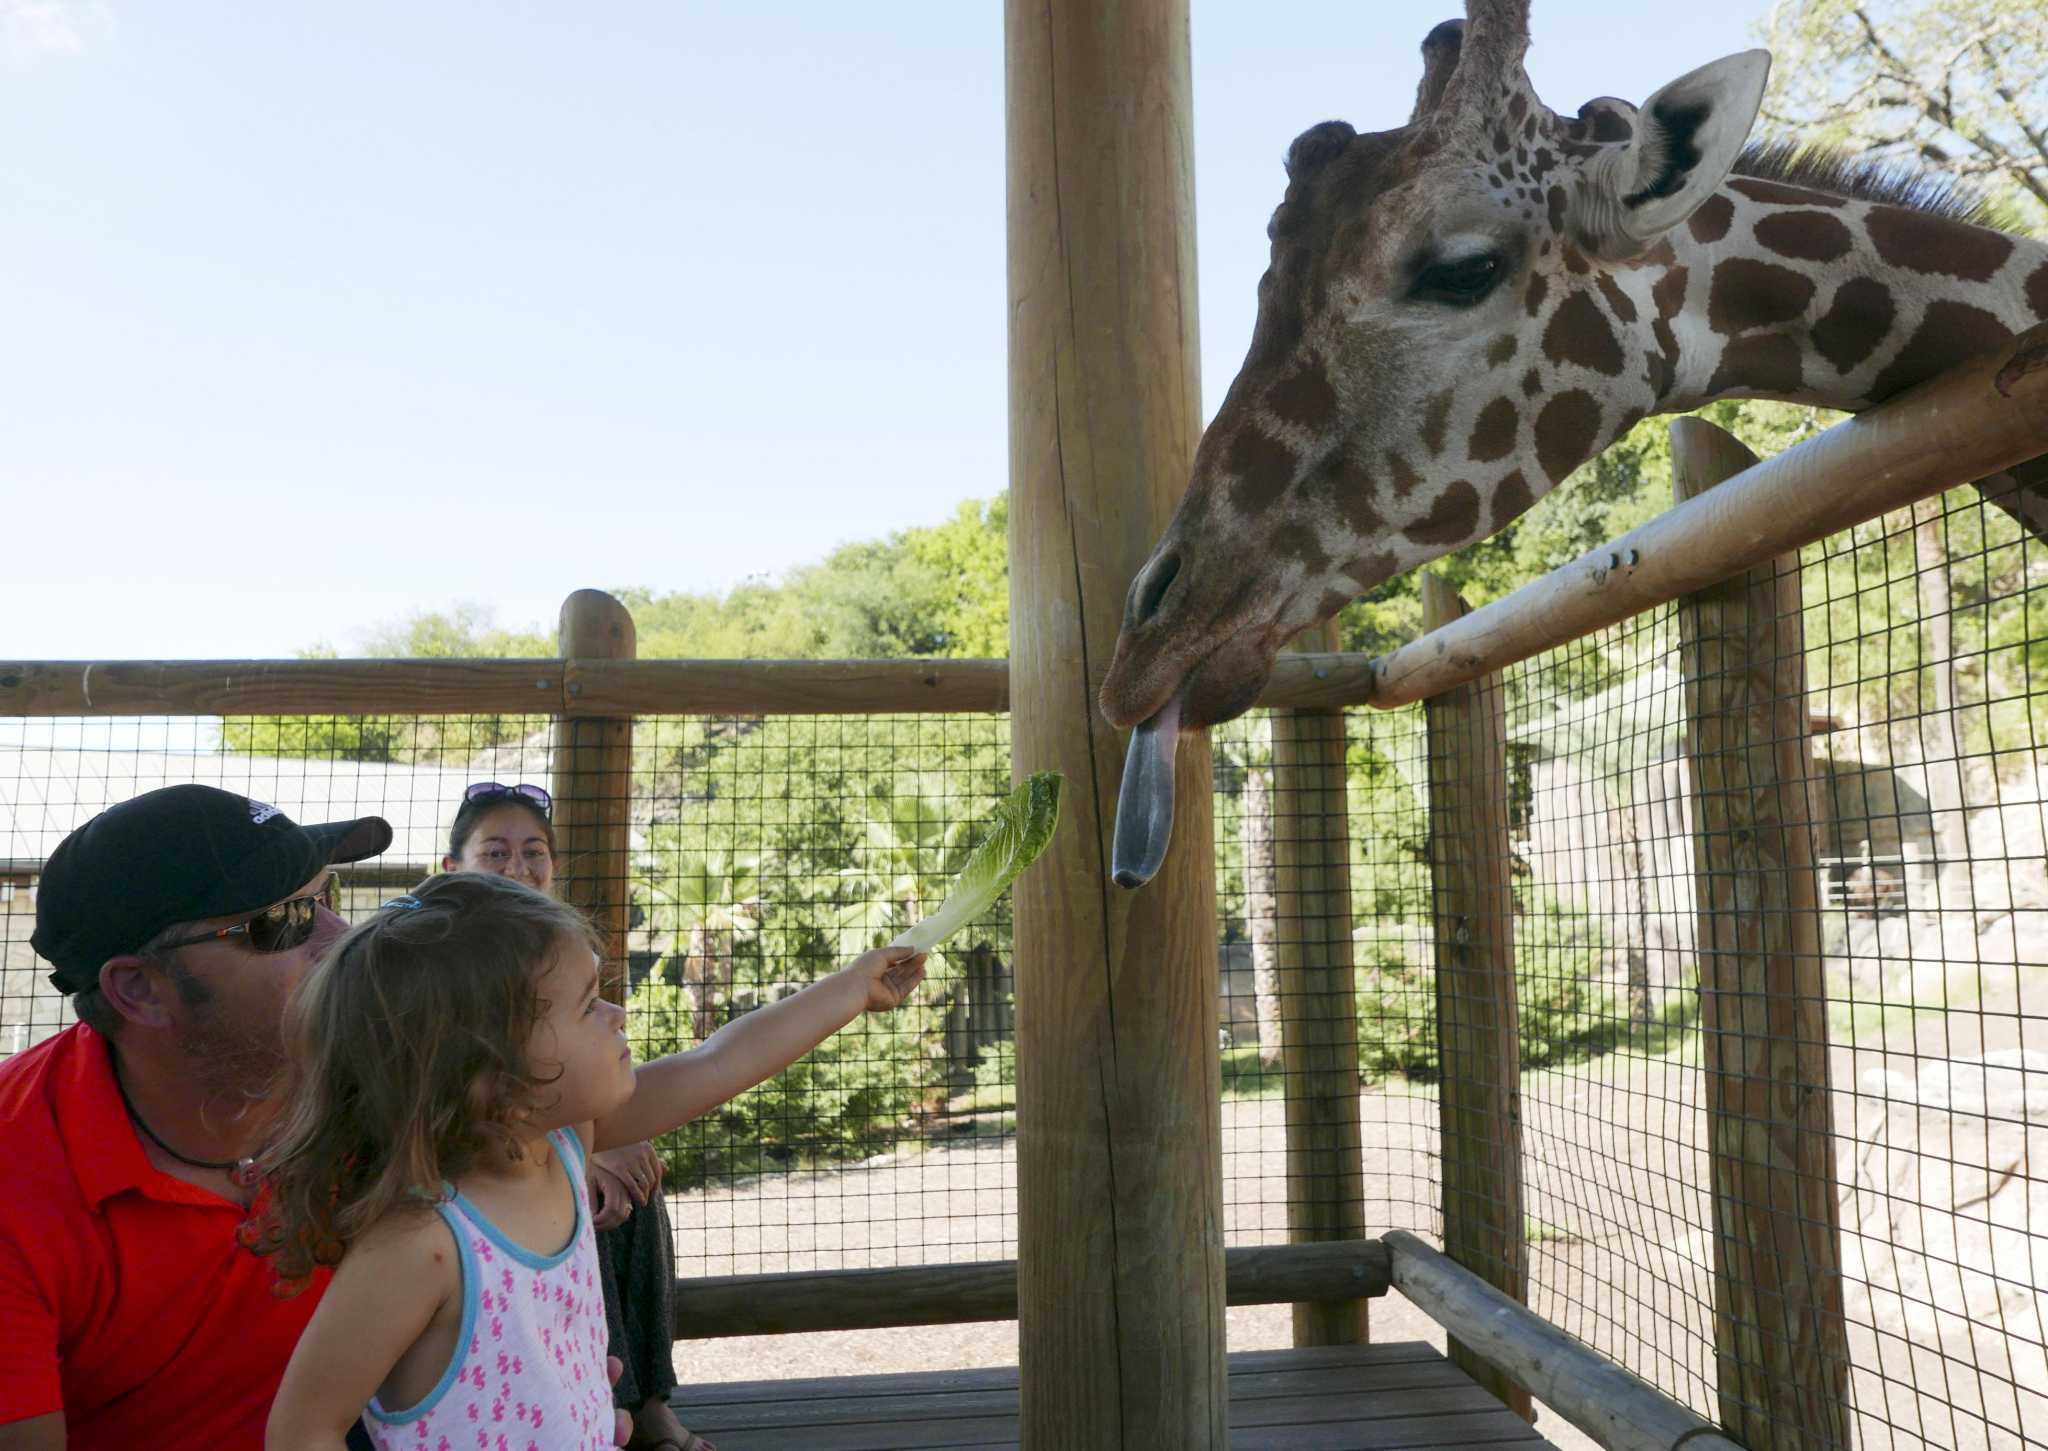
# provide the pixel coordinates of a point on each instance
(227, 1065)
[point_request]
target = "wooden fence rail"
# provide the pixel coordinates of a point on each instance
(1326, 1272)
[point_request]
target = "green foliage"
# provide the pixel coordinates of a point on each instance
(847, 1099)
(938, 591)
(1959, 86)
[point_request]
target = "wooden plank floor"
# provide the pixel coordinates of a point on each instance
(1331, 1398)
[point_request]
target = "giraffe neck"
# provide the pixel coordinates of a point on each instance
(1777, 291)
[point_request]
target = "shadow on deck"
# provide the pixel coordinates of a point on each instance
(1327, 1398)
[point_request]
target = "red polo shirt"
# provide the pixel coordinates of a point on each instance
(125, 1301)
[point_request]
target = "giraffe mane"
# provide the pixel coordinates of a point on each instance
(1864, 178)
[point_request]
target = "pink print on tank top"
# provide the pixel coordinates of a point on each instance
(530, 1375)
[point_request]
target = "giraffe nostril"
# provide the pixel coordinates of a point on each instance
(1149, 590)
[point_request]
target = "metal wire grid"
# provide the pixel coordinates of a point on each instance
(1919, 801)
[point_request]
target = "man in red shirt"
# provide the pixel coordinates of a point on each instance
(129, 1314)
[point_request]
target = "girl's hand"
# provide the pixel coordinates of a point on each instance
(891, 974)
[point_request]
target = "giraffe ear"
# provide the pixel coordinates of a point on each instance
(1687, 138)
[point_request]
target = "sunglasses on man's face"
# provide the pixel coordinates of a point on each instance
(494, 790)
(277, 928)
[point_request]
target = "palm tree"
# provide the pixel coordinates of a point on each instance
(713, 901)
(914, 841)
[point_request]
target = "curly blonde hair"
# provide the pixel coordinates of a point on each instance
(407, 1044)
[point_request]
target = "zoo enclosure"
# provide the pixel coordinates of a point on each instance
(1718, 1270)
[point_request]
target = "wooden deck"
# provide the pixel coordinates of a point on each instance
(1332, 1398)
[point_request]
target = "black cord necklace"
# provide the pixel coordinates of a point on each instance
(241, 1171)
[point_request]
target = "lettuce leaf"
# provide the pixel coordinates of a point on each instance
(1017, 833)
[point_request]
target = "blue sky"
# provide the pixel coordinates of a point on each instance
(316, 314)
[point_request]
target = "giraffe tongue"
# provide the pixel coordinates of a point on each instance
(1144, 807)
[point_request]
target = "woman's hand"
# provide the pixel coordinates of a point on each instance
(620, 1179)
(891, 974)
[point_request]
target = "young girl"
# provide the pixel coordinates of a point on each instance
(453, 1066)
(510, 831)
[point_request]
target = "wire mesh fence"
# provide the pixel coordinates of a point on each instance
(1889, 1165)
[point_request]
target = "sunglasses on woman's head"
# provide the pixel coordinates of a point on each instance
(492, 790)
(277, 928)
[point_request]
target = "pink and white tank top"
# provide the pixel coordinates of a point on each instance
(528, 1373)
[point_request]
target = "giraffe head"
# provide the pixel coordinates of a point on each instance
(1457, 313)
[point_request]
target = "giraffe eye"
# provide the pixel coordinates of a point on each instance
(1460, 283)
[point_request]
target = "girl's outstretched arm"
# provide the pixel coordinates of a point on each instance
(673, 1090)
(383, 1296)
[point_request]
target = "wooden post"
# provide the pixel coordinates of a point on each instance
(1477, 1023)
(593, 786)
(1119, 1142)
(1318, 995)
(1780, 1343)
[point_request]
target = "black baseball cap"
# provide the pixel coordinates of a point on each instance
(180, 854)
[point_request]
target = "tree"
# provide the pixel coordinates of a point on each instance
(1960, 86)
(464, 631)
(703, 908)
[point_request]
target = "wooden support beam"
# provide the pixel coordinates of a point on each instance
(1780, 1342)
(1478, 1038)
(1331, 1272)
(1318, 997)
(1119, 1127)
(593, 784)
(1619, 1410)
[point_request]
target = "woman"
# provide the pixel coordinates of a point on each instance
(509, 830)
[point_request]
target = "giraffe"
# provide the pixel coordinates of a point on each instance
(1461, 311)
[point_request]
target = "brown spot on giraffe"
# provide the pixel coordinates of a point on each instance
(1517, 107)
(1539, 288)
(1808, 236)
(1950, 333)
(1618, 302)
(1511, 499)
(1360, 516)
(1748, 294)
(1262, 467)
(1937, 245)
(1434, 416)
(1372, 570)
(1501, 349)
(1304, 396)
(1556, 200)
(1532, 382)
(1667, 295)
(1760, 363)
(1658, 372)
(1575, 262)
(1402, 475)
(1452, 519)
(2037, 291)
(1711, 219)
(1859, 318)
(1493, 434)
(1777, 194)
(1296, 540)
(1579, 332)
(1565, 431)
